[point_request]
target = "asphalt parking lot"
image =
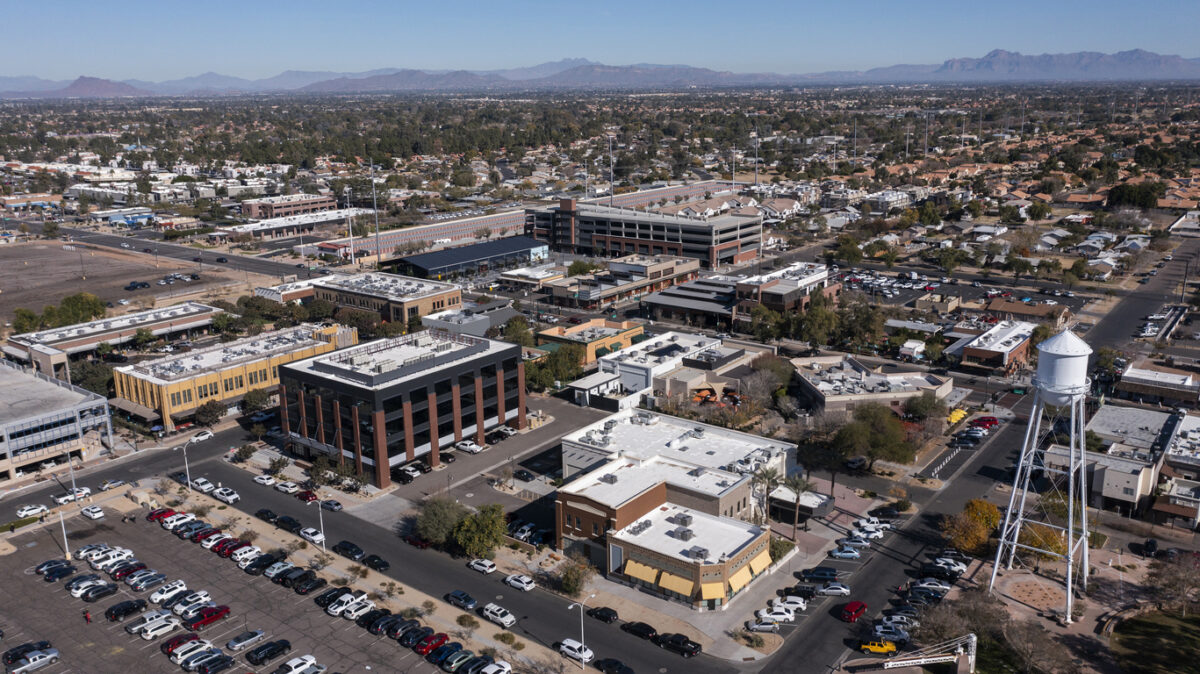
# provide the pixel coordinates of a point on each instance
(36, 610)
(968, 292)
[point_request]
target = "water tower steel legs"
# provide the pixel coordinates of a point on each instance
(1076, 498)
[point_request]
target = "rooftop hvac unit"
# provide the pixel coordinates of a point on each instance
(699, 553)
(608, 478)
(683, 519)
(684, 534)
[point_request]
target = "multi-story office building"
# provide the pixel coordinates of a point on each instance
(44, 420)
(395, 298)
(173, 387)
(627, 278)
(288, 204)
(591, 229)
(48, 350)
(1004, 347)
(838, 384)
(387, 402)
(783, 290)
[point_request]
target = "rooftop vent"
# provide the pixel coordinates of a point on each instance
(608, 478)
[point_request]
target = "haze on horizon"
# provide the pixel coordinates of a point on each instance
(163, 40)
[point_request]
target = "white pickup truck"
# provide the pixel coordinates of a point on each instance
(499, 615)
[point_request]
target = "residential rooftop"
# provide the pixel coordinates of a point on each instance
(28, 395)
(1186, 444)
(180, 314)
(386, 362)
(224, 356)
(638, 434)
(1003, 337)
(689, 535)
(393, 287)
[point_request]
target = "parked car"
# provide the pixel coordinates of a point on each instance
(35, 660)
(226, 495)
(484, 566)
(268, 652)
(349, 550)
(461, 599)
(761, 626)
(640, 630)
(678, 643)
(520, 582)
(576, 650)
(31, 511)
(834, 590)
(604, 614)
(776, 614)
(845, 553)
(852, 611)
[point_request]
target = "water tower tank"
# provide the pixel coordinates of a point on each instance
(1062, 368)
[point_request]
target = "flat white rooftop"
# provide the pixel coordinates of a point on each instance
(387, 362)
(224, 356)
(1003, 337)
(663, 348)
(535, 273)
(286, 199)
(624, 478)
(798, 274)
(184, 313)
(706, 541)
(25, 395)
(1187, 441)
(848, 376)
(1157, 377)
(298, 220)
(638, 434)
(390, 286)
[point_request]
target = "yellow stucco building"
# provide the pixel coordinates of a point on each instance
(173, 387)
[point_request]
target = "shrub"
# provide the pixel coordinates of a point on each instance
(505, 638)
(411, 613)
(201, 510)
(249, 536)
(467, 621)
(339, 582)
(428, 607)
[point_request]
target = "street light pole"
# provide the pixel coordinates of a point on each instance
(581, 606)
(320, 520)
(186, 471)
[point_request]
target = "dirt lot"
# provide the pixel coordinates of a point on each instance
(38, 273)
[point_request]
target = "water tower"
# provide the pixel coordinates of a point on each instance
(1060, 386)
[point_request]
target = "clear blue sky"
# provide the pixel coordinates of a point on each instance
(166, 39)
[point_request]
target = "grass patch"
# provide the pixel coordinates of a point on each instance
(1158, 642)
(17, 524)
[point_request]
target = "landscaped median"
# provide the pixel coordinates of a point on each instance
(479, 636)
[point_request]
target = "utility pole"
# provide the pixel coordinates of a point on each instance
(350, 223)
(375, 207)
(612, 184)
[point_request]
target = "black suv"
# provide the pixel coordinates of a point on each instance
(679, 644)
(303, 587)
(290, 577)
(289, 524)
(604, 614)
(14, 655)
(100, 592)
(376, 562)
(266, 516)
(118, 612)
(348, 550)
(260, 564)
(641, 630)
(268, 652)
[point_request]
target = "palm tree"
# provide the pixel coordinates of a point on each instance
(798, 485)
(766, 479)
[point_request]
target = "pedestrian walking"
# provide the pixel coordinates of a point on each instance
(87, 617)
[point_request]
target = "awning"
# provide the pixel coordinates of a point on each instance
(738, 580)
(677, 584)
(135, 409)
(640, 571)
(712, 590)
(761, 562)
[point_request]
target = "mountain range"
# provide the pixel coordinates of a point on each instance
(576, 73)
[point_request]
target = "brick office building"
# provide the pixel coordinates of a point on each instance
(389, 402)
(288, 204)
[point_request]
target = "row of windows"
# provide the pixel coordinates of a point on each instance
(257, 376)
(233, 383)
(46, 444)
(49, 425)
(181, 397)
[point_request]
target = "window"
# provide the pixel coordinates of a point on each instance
(595, 529)
(578, 524)
(175, 399)
(1128, 491)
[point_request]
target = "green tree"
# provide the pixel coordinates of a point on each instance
(244, 453)
(256, 399)
(517, 331)
(847, 250)
(924, 406)
(1018, 267)
(481, 532)
(975, 208)
(574, 575)
(210, 413)
(765, 480)
(257, 431)
(1038, 211)
(94, 375)
(50, 230)
(143, 337)
(438, 519)
(581, 267)
(1041, 333)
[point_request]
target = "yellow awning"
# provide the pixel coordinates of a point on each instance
(738, 580)
(712, 590)
(640, 571)
(761, 562)
(677, 584)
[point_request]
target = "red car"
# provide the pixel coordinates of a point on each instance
(118, 575)
(171, 645)
(416, 541)
(986, 422)
(853, 611)
(306, 496)
(219, 548)
(205, 534)
(205, 617)
(159, 515)
(230, 549)
(426, 645)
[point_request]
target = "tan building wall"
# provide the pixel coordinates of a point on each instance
(255, 208)
(392, 310)
(614, 342)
